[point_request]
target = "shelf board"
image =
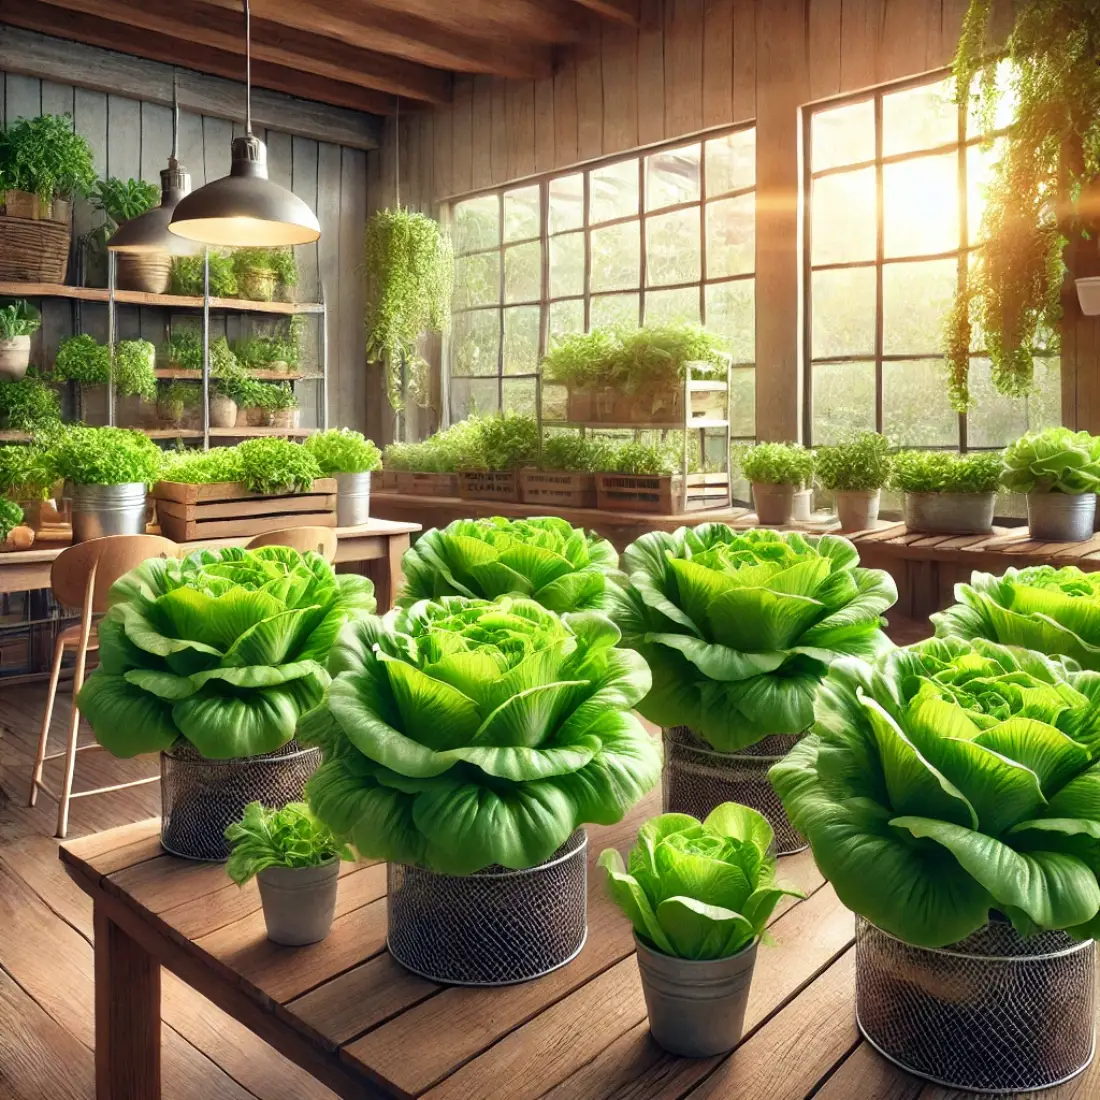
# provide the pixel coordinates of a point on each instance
(163, 301)
(170, 433)
(692, 425)
(248, 433)
(8, 436)
(196, 375)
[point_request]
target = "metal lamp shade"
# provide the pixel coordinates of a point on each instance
(149, 232)
(245, 208)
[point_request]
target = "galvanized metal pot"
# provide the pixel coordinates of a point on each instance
(100, 510)
(993, 1013)
(1061, 517)
(857, 509)
(299, 902)
(696, 1006)
(949, 513)
(774, 503)
(352, 499)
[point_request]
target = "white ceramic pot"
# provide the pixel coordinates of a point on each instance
(299, 902)
(1088, 295)
(15, 357)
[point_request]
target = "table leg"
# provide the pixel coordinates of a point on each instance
(392, 575)
(127, 1016)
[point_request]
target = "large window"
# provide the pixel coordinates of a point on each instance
(895, 192)
(668, 235)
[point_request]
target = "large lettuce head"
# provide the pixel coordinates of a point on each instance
(463, 733)
(739, 627)
(225, 648)
(542, 559)
(1053, 611)
(951, 779)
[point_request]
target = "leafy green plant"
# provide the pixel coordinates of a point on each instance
(575, 453)
(279, 262)
(583, 360)
(1055, 461)
(27, 405)
(285, 265)
(184, 349)
(410, 272)
(543, 559)
(11, 516)
(45, 156)
(194, 467)
(944, 472)
(121, 201)
(288, 836)
(275, 396)
(440, 453)
(860, 462)
(135, 369)
(224, 648)
(343, 451)
(642, 459)
(276, 466)
(26, 472)
(950, 780)
(503, 442)
(283, 345)
(187, 276)
(739, 627)
(778, 464)
(698, 890)
(82, 359)
(105, 456)
(458, 734)
(19, 319)
(180, 396)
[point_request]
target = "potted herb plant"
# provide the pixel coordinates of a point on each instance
(566, 474)
(120, 201)
(777, 472)
(946, 792)
(13, 534)
(176, 399)
(351, 458)
(517, 689)
(493, 453)
(1059, 470)
(648, 477)
(211, 660)
(945, 493)
(254, 269)
(738, 629)
(296, 861)
(19, 321)
(28, 404)
(27, 477)
(280, 405)
(188, 276)
(699, 895)
(223, 405)
(82, 359)
(183, 351)
(134, 369)
(854, 471)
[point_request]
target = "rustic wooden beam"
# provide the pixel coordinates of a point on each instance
(105, 70)
(623, 11)
(501, 21)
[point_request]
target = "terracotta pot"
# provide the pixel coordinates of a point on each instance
(774, 503)
(257, 286)
(286, 418)
(255, 418)
(223, 411)
(147, 272)
(857, 509)
(15, 355)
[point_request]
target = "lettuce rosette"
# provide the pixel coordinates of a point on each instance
(542, 559)
(952, 779)
(459, 733)
(1053, 611)
(224, 648)
(739, 627)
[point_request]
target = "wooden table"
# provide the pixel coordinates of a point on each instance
(358, 1022)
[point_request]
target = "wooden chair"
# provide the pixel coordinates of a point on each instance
(81, 577)
(321, 540)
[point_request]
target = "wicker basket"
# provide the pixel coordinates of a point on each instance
(34, 251)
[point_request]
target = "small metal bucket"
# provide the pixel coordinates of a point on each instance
(1061, 517)
(352, 499)
(949, 513)
(100, 510)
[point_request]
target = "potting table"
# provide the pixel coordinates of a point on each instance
(359, 1023)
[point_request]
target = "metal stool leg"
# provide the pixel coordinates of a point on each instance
(51, 695)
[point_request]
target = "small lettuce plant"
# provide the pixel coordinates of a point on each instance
(1055, 461)
(343, 451)
(698, 890)
(778, 464)
(287, 836)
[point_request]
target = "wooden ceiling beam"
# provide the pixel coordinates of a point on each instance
(623, 11)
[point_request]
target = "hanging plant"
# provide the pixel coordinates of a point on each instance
(410, 272)
(1042, 194)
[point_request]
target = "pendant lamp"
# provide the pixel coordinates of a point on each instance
(245, 209)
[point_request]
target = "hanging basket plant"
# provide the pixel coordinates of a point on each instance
(410, 272)
(1043, 192)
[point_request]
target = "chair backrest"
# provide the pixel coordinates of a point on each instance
(82, 575)
(321, 540)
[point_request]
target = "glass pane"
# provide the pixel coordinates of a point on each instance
(521, 213)
(613, 191)
(1006, 105)
(473, 395)
(731, 312)
(915, 411)
(995, 419)
(843, 304)
(519, 397)
(980, 163)
(523, 272)
(664, 306)
(731, 236)
(843, 400)
(616, 257)
(477, 280)
(1044, 407)
(731, 162)
(843, 135)
(916, 299)
(477, 224)
(475, 342)
(567, 202)
(614, 309)
(672, 177)
(567, 264)
(920, 118)
(743, 403)
(843, 217)
(521, 339)
(566, 317)
(672, 248)
(921, 206)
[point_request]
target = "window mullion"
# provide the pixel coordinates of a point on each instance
(880, 249)
(643, 275)
(500, 302)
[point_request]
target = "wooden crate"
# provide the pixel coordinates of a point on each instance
(557, 488)
(226, 508)
(500, 485)
(427, 485)
(660, 493)
(385, 481)
(664, 408)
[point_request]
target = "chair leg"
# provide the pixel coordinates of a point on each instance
(70, 757)
(55, 674)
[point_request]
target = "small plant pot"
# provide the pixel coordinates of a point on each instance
(285, 418)
(254, 417)
(223, 411)
(857, 509)
(352, 499)
(299, 902)
(100, 510)
(281, 366)
(1061, 517)
(170, 413)
(15, 357)
(696, 1006)
(802, 510)
(147, 272)
(23, 204)
(59, 210)
(258, 286)
(950, 513)
(774, 503)
(1088, 295)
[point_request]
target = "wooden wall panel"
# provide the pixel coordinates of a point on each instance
(482, 133)
(520, 128)
(651, 72)
(861, 27)
(590, 93)
(824, 34)
(565, 113)
(498, 130)
(744, 60)
(619, 78)
(545, 137)
(683, 66)
(718, 16)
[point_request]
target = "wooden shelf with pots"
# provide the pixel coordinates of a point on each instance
(250, 433)
(139, 298)
(255, 372)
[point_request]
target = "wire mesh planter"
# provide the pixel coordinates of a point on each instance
(994, 1013)
(495, 927)
(696, 778)
(200, 797)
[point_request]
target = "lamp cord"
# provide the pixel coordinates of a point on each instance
(247, 69)
(175, 114)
